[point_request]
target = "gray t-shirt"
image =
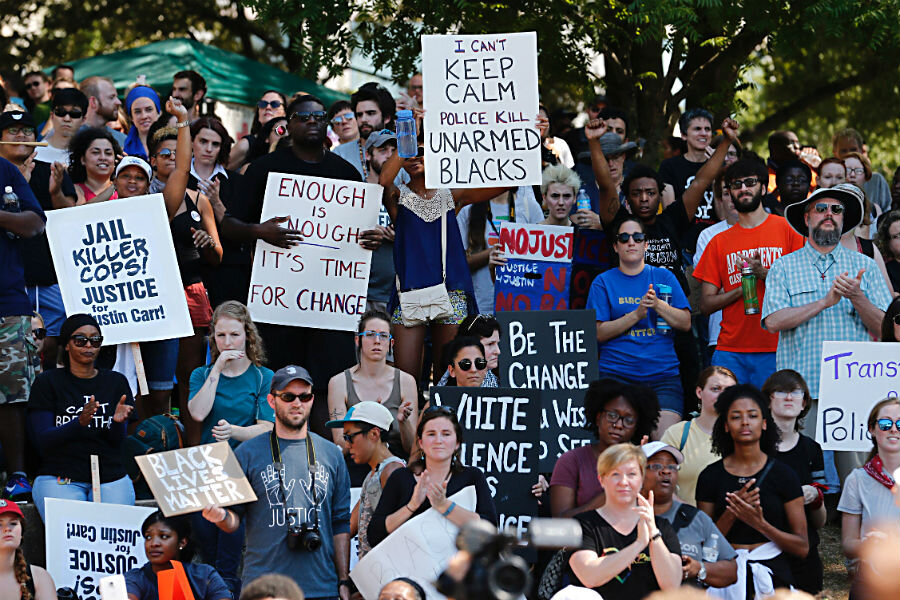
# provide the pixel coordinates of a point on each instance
(697, 533)
(862, 495)
(267, 550)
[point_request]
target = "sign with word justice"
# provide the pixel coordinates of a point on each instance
(854, 376)
(482, 97)
(189, 479)
(538, 267)
(322, 281)
(555, 352)
(500, 428)
(87, 541)
(116, 261)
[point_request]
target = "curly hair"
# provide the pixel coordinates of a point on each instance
(237, 311)
(722, 442)
(788, 380)
(22, 573)
(641, 398)
(79, 147)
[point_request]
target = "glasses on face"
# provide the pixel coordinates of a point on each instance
(166, 153)
(338, 119)
(737, 184)
(794, 395)
(81, 340)
(22, 130)
(637, 236)
(822, 207)
(466, 364)
(381, 336)
(855, 171)
(796, 181)
(60, 112)
(39, 333)
(273, 104)
(886, 424)
(612, 417)
(289, 397)
(34, 83)
(348, 437)
(658, 468)
(318, 115)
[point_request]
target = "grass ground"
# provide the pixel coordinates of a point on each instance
(837, 584)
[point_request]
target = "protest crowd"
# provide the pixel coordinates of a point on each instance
(710, 283)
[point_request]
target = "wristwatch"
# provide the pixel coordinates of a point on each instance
(348, 583)
(701, 575)
(182, 124)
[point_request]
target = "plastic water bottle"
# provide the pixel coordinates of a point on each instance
(748, 289)
(583, 201)
(11, 204)
(663, 292)
(407, 145)
(711, 550)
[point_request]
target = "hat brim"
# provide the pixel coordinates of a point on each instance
(853, 210)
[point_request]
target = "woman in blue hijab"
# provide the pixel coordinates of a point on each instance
(143, 108)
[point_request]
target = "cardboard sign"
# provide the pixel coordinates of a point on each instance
(854, 377)
(482, 97)
(87, 541)
(532, 285)
(419, 549)
(501, 430)
(115, 260)
(323, 281)
(546, 243)
(189, 479)
(555, 352)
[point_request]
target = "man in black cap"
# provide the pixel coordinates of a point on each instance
(68, 109)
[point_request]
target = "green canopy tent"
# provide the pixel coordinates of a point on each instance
(229, 77)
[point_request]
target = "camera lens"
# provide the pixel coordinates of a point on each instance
(508, 578)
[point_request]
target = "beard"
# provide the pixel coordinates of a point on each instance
(824, 237)
(747, 206)
(287, 421)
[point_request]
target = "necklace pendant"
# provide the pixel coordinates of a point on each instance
(823, 276)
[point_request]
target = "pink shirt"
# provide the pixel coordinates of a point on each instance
(577, 469)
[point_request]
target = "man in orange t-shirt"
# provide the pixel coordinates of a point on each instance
(757, 239)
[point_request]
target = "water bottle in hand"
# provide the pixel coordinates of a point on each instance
(11, 204)
(407, 145)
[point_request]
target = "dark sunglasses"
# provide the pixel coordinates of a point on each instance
(466, 364)
(337, 120)
(273, 104)
(39, 333)
(318, 115)
(82, 340)
(637, 236)
(886, 424)
(660, 468)
(439, 408)
(737, 184)
(348, 437)
(289, 397)
(75, 113)
(822, 207)
(33, 84)
(166, 153)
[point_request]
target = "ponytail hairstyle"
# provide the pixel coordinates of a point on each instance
(22, 575)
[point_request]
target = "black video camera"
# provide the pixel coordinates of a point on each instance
(304, 536)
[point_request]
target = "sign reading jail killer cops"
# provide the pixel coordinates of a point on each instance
(189, 479)
(555, 352)
(115, 260)
(322, 281)
(854, 377)
(482, 97)
(539, 266)
(87, 541)
(500, 429)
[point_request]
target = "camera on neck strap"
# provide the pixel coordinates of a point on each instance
(305, 535)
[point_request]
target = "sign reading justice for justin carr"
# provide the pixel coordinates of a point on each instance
(481, 94)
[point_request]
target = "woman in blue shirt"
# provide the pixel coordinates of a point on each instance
(634, 324)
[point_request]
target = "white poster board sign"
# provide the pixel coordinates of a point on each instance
(481, 98)
(87, 541)
(854, 377)
(418, 549)
(115, 260)
(547, 243)
(322, 281)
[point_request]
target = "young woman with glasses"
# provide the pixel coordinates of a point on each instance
(77, 411)
(272, 104)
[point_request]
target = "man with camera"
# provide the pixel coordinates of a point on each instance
(299, 525)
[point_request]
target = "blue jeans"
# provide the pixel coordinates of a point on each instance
(220, 550)
(668, 390)
(749, 367)
(120, 491)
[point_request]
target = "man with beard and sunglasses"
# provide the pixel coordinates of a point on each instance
(757, 240)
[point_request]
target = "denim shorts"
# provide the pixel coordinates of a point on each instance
(47, 301)
(668, 390)
(160, 358)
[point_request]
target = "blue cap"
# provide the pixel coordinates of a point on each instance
(404, 114)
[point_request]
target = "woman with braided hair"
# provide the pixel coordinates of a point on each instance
(18, 579)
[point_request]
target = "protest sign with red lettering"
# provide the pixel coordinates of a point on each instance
(539, 266)
(550, 243)
(482, 97)
(322, 281)
(590, 258)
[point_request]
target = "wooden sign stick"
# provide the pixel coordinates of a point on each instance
(139, 367)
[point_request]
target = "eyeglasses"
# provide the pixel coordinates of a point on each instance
(289, 397)
(612, 417)
(22, 130)
(795, 395)
(32, 84)
(796, 181)
(737, 184)
(381, 336)
(39, 333)
(317, 115)
(886, 424)
(348, 437)
(82, 340)
(60, 112)
(658, 468)
(855, 171)
(166, 153)
(338, 119)
(273, 104)
(466, 364)
(822, 207)
(637, 236)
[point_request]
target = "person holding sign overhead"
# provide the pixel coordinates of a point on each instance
(77, 411)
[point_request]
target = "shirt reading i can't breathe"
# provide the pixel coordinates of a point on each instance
(721, 266)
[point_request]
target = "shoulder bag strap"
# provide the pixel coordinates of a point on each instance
(444, 245)
(684, 435)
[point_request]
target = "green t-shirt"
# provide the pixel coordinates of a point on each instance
(239, 400)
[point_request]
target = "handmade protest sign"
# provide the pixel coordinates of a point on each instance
(854, 376)
(555, 352)
(482, 97)
(536, 274)
(501, 430)
(189, 479)
(321, 282)
(86, 543)
(589, 259)
(116, 261)
(418, 549)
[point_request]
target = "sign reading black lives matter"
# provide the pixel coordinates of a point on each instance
(189, 479)
(553, 351)
(500, 429)
(115, 260)
(482, 97)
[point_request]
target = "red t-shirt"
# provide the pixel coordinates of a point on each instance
(721, 266)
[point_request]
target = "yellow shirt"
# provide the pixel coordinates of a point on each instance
(698, 455)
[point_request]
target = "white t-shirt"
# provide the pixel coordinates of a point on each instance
(51, 154)
(715, 319)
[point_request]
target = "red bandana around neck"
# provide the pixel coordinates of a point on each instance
(875, 468)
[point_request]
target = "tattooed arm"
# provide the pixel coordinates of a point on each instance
(337, 406)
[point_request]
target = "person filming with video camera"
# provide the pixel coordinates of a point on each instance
(299, 525)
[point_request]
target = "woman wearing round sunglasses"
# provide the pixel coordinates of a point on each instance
(634, 324)
(271, 105)
(467, 366)
(867, 502)
(343, 122)
(77, 411)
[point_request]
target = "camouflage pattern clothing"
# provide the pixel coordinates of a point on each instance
(18, 359)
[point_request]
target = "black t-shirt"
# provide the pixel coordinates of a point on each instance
(64, 395)
(664, 240)
(779, 486)
(39, 268)
(893, 269)
(636, 582)
(680, 172)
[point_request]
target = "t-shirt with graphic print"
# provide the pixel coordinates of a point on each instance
(266, 519)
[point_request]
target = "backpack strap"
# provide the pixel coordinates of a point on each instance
(684, 435)
(683, 516)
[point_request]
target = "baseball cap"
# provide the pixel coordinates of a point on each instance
(380, 138)
(134, 161)
(285, 375)
(653, 448)
(371, 413)
(7, 506)
(69, 97)
(19, 118)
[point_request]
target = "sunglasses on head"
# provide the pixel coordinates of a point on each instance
(439, 408)
(637, 236)
(466, 364)
(886, 424)
(737, 184)
(81, 340)
(39, 333)
(75, 113)
(822, 207)
(338, 119)
(289, 397)
(273, 104)
(166, 153)
(18, 130)
(318, 115)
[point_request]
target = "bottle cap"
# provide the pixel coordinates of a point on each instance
(404, 114)
(7, 189)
